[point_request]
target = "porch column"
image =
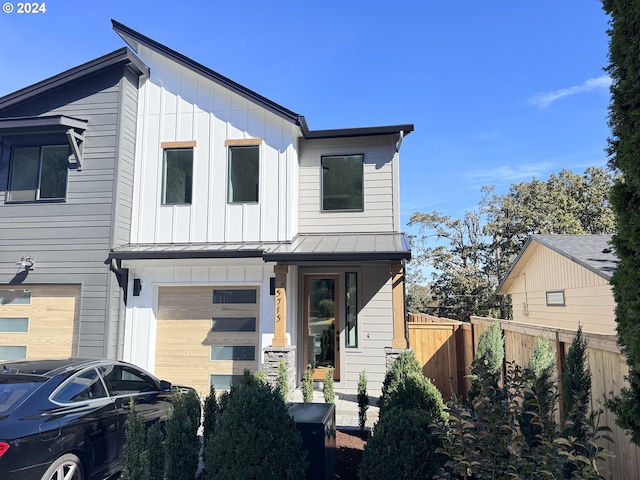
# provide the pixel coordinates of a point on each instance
(280, 314)
(397, 282)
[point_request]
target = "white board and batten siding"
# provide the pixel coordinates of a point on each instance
(588, 296)
(380, 183)
(177, 105)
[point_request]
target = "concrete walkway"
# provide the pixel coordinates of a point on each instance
(346, 407)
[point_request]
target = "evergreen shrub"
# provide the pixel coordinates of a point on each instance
(183, 444)
(327, 387)
(254, 438)
(307, 385)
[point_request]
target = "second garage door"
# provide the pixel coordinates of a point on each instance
(207, 335)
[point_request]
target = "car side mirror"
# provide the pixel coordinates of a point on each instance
(165, 386)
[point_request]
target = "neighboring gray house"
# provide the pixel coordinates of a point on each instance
(67, 148)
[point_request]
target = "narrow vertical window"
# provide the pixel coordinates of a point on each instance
(177, 182)
(342, 183)
(244, 174)
(351, 306)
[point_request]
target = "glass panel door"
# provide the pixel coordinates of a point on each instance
(322, 324)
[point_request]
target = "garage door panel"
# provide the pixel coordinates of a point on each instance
(53, 313)
(190, 343)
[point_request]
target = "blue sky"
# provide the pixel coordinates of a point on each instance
(499, 91)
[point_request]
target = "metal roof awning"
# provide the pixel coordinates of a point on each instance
(303, 248)
(343, 247)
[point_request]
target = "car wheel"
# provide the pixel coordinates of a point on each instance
(67, 467)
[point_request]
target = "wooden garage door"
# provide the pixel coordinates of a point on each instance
(39, 321)
(207, 334)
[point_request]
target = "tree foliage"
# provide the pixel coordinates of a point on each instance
(469, 256)
(624, 151)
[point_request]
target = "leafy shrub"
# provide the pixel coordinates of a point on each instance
(282, 382)
(136, 461)
(183, 445)
(483, 438)
(255, 438)
(401, 448)
(307, 385)
(363, 400)
(194, 409)
(327, 387)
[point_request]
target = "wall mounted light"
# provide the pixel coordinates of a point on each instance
(137, 286)
(27, 262)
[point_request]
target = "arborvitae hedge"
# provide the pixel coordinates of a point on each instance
(624, 151)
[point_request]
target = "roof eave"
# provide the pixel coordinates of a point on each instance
(89, 68)
(360, 132)
(134, 39)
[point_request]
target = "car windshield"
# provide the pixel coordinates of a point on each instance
(15, 388)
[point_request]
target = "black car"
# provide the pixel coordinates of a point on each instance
(65, 419)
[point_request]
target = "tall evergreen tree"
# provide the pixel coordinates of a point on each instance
(624, 152)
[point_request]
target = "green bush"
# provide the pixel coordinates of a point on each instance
(363, 400)
(416, 392)
(537, 419)
(282, 382)
(483, 437)
(490, 352)
(255, 438)
(155, 452)
(261, 376)
(136, 461)
(402, 448)
(403, 445)
(327, 387)
(183, 445)
(210, 413)
(307, 385)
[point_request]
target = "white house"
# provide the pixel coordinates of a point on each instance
(255, 239)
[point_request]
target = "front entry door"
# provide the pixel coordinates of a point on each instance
(322, 324)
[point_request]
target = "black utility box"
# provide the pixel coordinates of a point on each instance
(316, 423)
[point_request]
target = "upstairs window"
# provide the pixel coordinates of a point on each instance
(39, 173)
(342, 183)
(177, 176)
(244, 174)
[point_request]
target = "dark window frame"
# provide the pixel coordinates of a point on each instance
(230, 180)
(323, 207)
(351, 303)
(188, 193)
(38, 179)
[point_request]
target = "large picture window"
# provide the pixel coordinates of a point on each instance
(244, 174)
(39, 173)
(177, 178)
(342, 182)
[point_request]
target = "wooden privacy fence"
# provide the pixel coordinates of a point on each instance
(444, 348)
(608, 369)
